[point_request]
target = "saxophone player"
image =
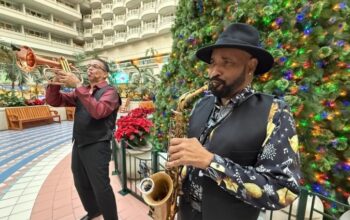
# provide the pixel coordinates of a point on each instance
(242, 148)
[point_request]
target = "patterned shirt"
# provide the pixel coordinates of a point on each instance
(272, 183)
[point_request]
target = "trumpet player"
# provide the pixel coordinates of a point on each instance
(241, 152)
(96, 106)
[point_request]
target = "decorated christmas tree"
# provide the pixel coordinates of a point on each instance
(310, 41)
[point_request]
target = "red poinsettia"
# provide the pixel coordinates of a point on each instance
(35, 101)
(134, 127)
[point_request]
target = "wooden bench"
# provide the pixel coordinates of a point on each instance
(16, 116)
(70, 111)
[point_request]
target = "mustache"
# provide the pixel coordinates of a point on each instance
(216, 78)
(215, 82)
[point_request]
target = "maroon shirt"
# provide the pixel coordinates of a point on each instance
(108, 102)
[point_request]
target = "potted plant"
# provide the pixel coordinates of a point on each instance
(134, 128)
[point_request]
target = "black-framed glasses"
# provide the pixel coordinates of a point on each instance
(95, 66)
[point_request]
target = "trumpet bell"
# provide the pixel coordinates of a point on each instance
(158, 193)
(26, 59)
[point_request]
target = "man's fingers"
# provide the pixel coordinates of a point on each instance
(176, 141)
(175, 156)
(172, 164)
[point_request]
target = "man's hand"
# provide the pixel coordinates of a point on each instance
(188, 151)
(68, 79)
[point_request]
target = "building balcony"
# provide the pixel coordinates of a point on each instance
(80, 36)
(95, 4)
(119, 38)
(54, 46)
(133, 34)
(106, 11)
(165, 24)
(119, 22)
(149, 29)
(149, 10)
(88, 34)
(87, 22)
(118, 6)
(107, 27)
(108, 41)
(89, 47)
(38, 21)
(131, 3)
(133, 17)
(167, 6)
(98, 44)
(97, 31)
(96, 16)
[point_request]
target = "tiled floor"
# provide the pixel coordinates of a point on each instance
(36, 181)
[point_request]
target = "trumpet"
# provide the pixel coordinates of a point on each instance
(27, 61)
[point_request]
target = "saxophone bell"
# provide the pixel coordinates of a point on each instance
(156, 189)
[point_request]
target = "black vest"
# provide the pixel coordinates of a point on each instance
(86, 129)
(238, 137)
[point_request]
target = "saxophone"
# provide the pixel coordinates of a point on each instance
(162, 189)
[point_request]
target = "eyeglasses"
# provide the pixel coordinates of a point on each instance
(95, 66)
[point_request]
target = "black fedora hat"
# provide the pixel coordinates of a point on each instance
(244, 37)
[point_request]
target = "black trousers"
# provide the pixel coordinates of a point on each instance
(186, 212)
(90, 167)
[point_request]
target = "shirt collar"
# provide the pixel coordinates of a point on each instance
(240, 96)
(99, 85)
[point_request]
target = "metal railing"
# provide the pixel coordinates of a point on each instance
(127, 171)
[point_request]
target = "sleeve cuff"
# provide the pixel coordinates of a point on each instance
(216, 168)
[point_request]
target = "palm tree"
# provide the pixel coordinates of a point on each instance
(143, 81)
(13, 73)
(38, 79)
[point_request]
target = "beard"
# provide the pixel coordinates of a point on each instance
(221, 89)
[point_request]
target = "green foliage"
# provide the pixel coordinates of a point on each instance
(143, 82)
(310, 43)
(9, 99)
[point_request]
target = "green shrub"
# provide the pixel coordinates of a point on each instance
(9, 99)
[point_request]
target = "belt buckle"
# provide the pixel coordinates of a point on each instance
(196, 206)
